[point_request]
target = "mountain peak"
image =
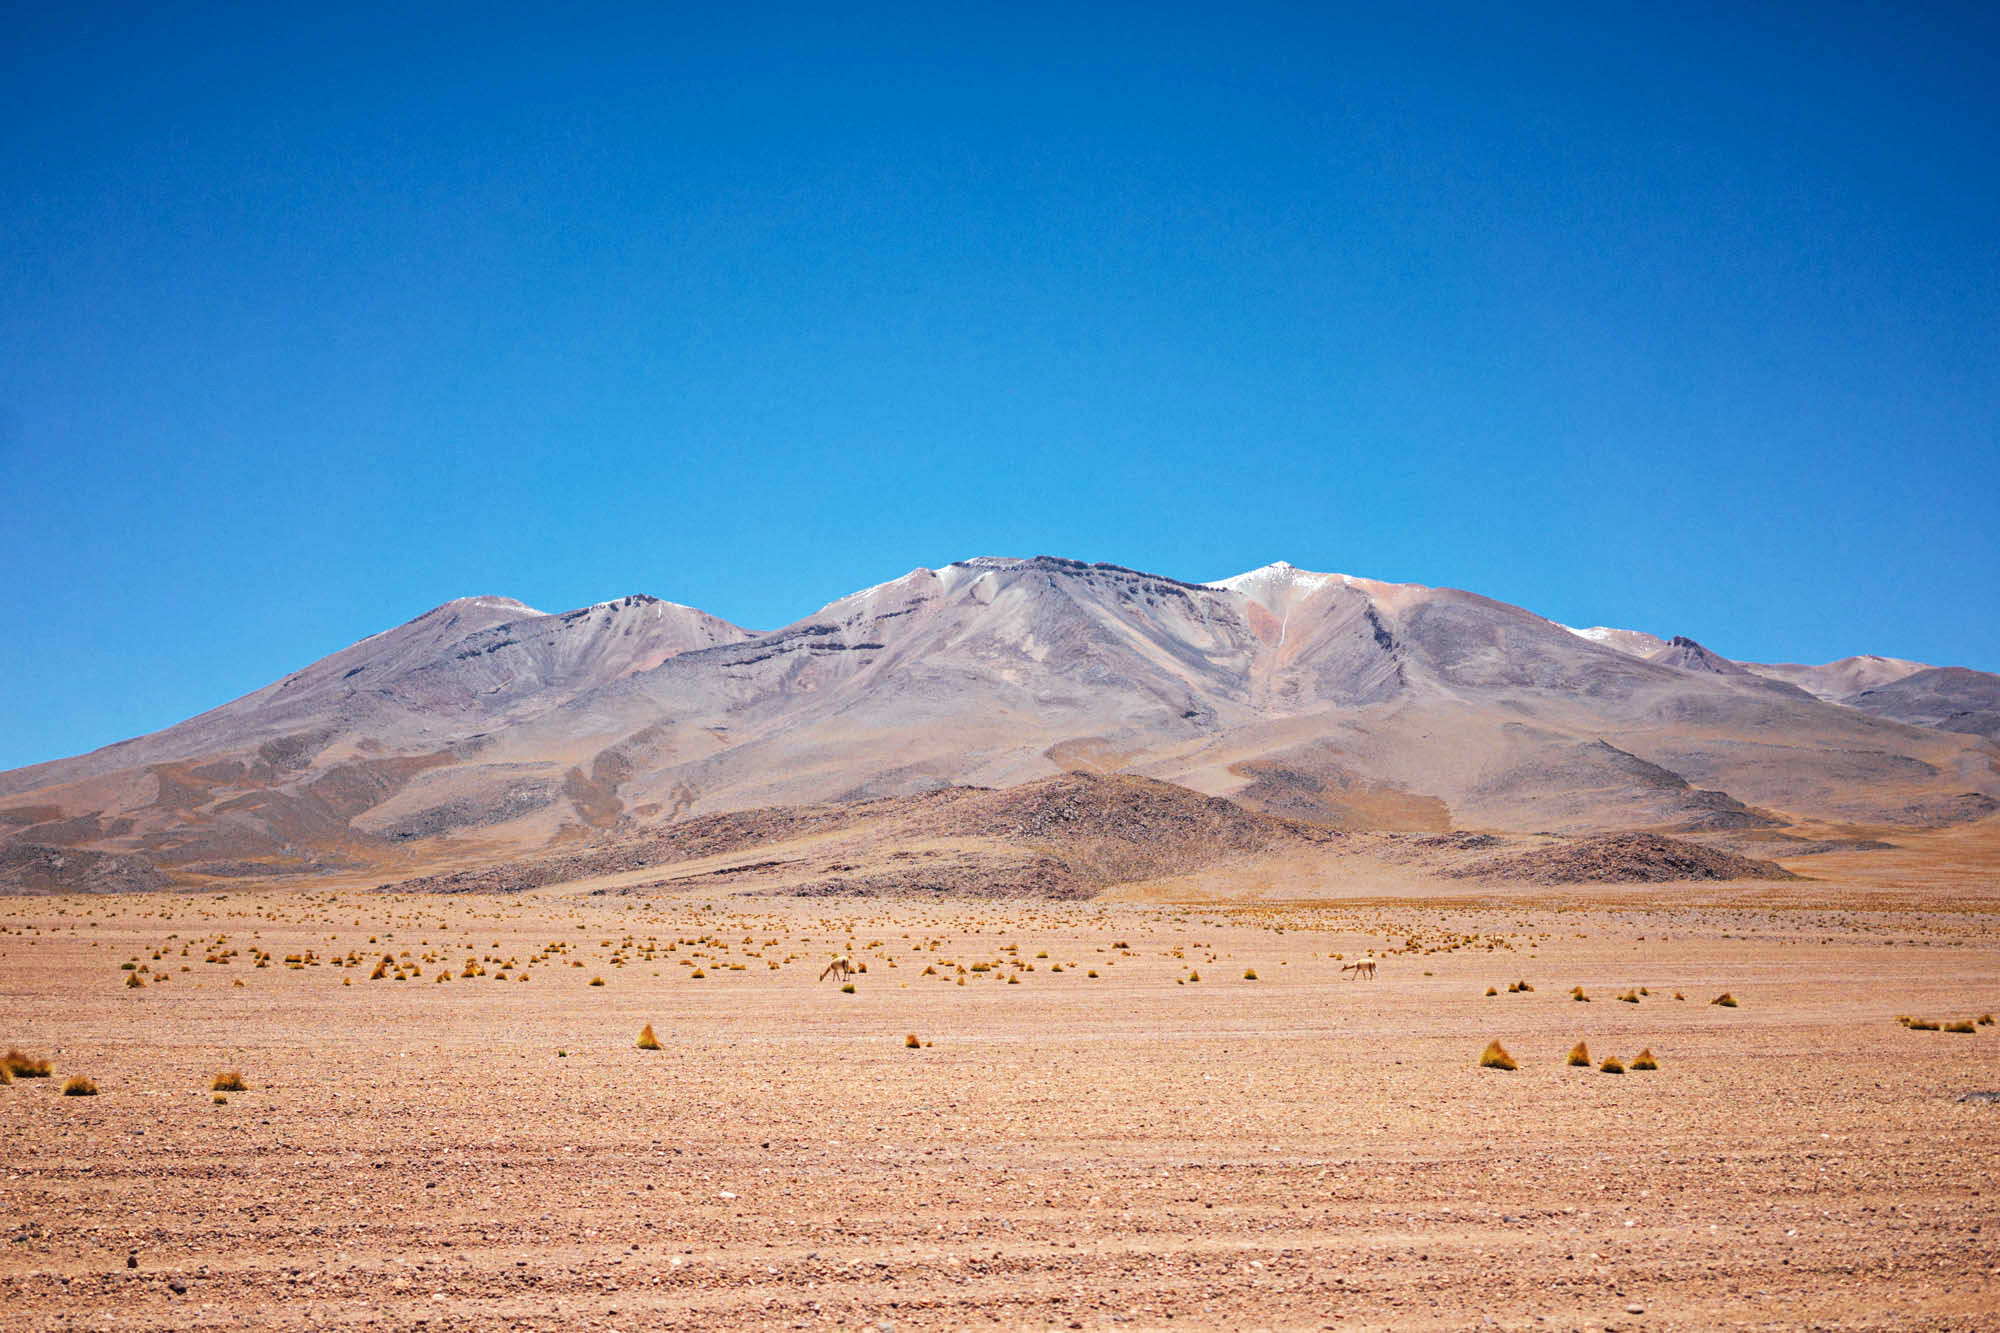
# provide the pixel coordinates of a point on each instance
(485, 602)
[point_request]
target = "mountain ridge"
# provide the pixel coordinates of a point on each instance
(486, 725)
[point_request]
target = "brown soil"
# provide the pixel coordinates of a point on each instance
(1130, 1149)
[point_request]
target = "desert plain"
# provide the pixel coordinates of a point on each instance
(1085, 1136)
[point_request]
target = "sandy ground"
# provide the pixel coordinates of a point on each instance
(1133, 1149)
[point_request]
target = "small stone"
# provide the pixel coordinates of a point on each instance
(177, 1287)
(1635, 1308)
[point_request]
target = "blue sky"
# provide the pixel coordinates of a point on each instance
(1686, 319)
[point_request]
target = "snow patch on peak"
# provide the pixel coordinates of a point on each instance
(494, 603)
(1631, 642)
(1279, 574)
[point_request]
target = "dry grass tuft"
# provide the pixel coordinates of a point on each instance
(1249, 974)
(134, 981)
(76, 1085)
(913, 1042)
(22, 1065)
(1491, 991)
(220, 1100)
(597, 981)
(229, 1080)
(1495, 1057)
(1921, 1025)
(1646, 1060)
(1959, 1027)
(1984, 1020)
(1576, 993)
(647, 1041)
(1579, 1055)
(1726, 1000)
(1612, 1065)
(848, 989)
(1630, 997)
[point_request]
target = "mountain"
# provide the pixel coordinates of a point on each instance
(484, 728)
(1839, 681)
(1947, 698)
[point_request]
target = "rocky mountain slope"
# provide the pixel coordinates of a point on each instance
(486, 729)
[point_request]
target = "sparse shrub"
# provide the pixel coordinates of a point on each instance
(1576, 993)
(1249, 974)
(1013, 981)
(1959, 1027)
(1645, 1060)
(912, 1041)
(76, 1085)
(1491, 991)
(1091, 973)
(1495, 1057)
(1612, 1065)
(134, 982)
(1524, 985)
(229, 1080)
(1726, 1000)
(847, 989)
(22, 1065)
(1579, 1055)
(1194, 976)
(1630, 997)
(647, 1041)
(597, 981)
(1984, 1020)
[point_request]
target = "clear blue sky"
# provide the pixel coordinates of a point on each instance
(1686, 319)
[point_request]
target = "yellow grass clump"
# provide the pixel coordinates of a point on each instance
(1984, 1020)
(1495, 1057)
(1491, 991)
(912, 1042)
(1630, 997)
(1726, 1000)
(847, 989)
(1612, 1065)
(76, 1085)
(597, 981)
(647, 1041)
(1576, 993)
(1579, 1055)
(1958, 1027)
(1646, 1060)
(22, 1065)
(1249, 974)
(1921, 1025)
(229, 1080)
(134, 981)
